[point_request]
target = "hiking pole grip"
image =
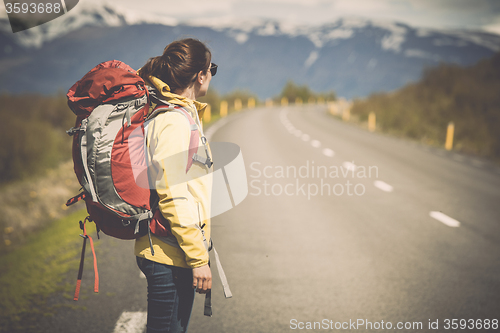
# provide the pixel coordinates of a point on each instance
(77, 290)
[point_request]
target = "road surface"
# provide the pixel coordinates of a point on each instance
(342, 230)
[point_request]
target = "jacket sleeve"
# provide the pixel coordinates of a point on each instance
(169, 149)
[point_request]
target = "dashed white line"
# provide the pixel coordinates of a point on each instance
(305, 137)
(328, 152)
(450, 222)
(131, 322)
(383, 186)
(441, 217)
(349, 166)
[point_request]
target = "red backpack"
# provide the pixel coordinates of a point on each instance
(112, 103)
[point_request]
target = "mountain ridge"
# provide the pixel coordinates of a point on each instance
(353, 56)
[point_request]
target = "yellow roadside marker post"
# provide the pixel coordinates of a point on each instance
(449, 136)
(332, 108)
(223, 109)
(346, 113)
(237, 104)
(251, 103)
(372, 122)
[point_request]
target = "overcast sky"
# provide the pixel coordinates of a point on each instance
(463, 14)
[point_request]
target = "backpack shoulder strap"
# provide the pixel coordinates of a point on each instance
(195, 134)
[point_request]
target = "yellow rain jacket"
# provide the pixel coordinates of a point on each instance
(184, 199)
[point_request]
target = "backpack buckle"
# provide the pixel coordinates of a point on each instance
(72, 131)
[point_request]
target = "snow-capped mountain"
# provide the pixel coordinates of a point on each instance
(86, 14)
(352, 56)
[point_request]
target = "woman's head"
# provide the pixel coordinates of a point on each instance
(181, 63)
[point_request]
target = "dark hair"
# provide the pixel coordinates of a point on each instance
(181, 61)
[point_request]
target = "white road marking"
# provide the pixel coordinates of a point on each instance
(315, 143)
(383, 186)
(141, 275)
(328, 152)
(450, 222)
(131, 322)
(349, 166)
(64, 6)
(284, 120)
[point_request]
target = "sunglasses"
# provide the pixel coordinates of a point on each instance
(213, 68)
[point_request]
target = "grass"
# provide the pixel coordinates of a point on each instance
(31, 204)
(34, 271)
(39, 245)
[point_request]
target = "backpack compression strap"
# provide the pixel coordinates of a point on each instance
(222, 276)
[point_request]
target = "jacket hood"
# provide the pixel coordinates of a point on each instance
(170, 97)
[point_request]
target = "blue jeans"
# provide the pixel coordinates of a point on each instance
(170, 296)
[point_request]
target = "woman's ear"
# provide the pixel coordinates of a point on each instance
(201, 77)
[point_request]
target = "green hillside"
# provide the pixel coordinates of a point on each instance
(32, 134)
(468, 97)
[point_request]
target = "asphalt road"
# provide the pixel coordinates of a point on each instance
(341, 227)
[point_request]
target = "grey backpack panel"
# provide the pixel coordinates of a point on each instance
(104, 124)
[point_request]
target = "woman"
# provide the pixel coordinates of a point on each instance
(175, 271)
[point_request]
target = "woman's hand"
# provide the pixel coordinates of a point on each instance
(202, 279)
